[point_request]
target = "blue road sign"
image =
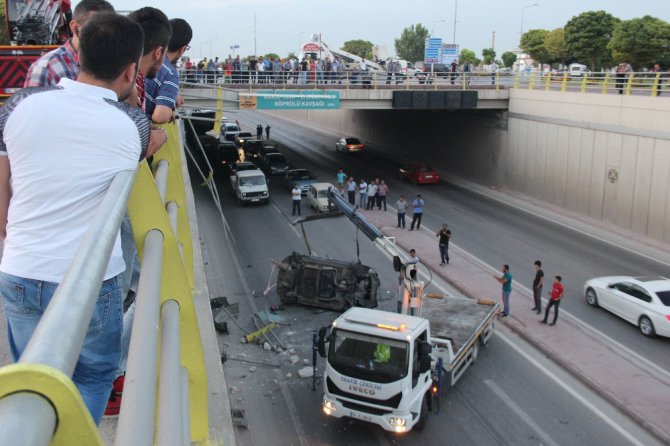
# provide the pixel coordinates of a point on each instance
(433, 50)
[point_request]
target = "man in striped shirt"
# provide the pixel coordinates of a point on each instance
(63, 62)
(162, 92)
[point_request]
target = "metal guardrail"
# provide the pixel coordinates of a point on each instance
(39, 403)
(643, 83)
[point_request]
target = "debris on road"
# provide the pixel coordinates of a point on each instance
(306, 372)
(294, 359)
(238, 417)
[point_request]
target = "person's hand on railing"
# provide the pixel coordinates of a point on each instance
(157, 139)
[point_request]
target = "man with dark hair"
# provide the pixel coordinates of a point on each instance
(162, 92)
(556, 294)
(157, 34)
(537, 286)
(64, 61)
(60, 175)
(506, 280)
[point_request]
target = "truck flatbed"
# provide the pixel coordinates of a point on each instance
(458, 319)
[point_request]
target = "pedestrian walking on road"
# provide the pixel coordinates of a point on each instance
(401, 205)
(382, 192)
(506, 280)
(371, 193)
(556, 293)
(362, 193)
(417, 209)
(267, 131)
(351, 191)
(259, 131)
(537, 287)
(445, 235)
(296, 195)
(341, 177)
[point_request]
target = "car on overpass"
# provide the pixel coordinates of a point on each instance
(301, 177)
(642, 301)
(419, 174)
(348, 145)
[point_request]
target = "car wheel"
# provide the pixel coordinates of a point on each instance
(591, 297)
(647, 327)
(423, 416)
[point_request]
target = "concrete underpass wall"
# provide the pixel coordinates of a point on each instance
(605, 156)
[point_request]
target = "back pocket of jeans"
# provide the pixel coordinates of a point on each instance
(100, 314)
(13, 296)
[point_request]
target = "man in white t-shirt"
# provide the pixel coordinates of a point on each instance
(54, 174)
(296, 195)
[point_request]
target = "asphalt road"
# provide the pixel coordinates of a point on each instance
(513, 395)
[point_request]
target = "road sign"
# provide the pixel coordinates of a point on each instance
(290, 100)
(449, 53)
(433, 49)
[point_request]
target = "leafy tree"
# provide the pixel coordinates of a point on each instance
(554, 43)
(359, 47)
(587, 36)
(508, 59)
(641, 42)
(412, 42)
(291, 55)
(468, 56)
(272, 56)
(532, 42)
(489, 55)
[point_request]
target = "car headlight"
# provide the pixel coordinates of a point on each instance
(399, 424)
(328, 407)
(244, 194)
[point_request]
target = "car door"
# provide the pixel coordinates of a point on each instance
(621, 299)
(640, 303)
(311, 197)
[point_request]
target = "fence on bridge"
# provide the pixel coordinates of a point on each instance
(639, 83)
(165, 395)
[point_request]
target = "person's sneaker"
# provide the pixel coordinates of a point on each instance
(542, 322)
(113, 406)
(551, 323)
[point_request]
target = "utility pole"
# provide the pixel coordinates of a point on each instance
(255, 53)
(493, 41)
(455, 15)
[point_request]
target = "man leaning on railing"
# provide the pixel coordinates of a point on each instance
(60, 173)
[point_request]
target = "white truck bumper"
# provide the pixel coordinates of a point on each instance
(395, 421)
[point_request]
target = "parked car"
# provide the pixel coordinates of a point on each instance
(256, 148)
(419, 174)
(241, 137)
(251, 187)
(302, 177)
(229, 130)
(578, 70)
(274, 164)
(239, 167)
(348, 145)
(317, 197)
(227, 153)
(642, 301)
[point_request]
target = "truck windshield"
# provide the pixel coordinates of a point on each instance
(252, 181)
(368, 357)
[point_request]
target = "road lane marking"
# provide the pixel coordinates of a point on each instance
(520, 412)
(624, 433)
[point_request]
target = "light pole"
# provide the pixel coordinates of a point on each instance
(455, 16)
(432, 33)
(210, 46)
(523, 13)
(299, 44)
(234, 47)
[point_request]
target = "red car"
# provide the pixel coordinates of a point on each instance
(419, 174)
(348, 145)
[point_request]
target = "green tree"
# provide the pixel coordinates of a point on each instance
(359, 47)
(641, 42)
(468, 56)
(412, 42)
(272, 56)
(587, 36)
(532, 42)
(489, 55)
(291, 55)
(508, 59)
(555, 45)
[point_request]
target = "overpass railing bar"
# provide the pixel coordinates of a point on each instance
(59, 336)
(645, 83)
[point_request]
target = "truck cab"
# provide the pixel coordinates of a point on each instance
(379, 369)
(250, 186)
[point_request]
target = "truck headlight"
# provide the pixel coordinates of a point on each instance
(244, 194)
(328, 407)
(399, 424)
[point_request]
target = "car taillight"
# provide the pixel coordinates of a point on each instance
(667, 317)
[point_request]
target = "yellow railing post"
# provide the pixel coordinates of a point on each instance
(605, 82)
(219, 110)
(531, 81)
(584, 80)
(547, 83)
(497, 81)
(654, 88)
(564, 82)
(465, 79)
(516, 80)
(629, 84)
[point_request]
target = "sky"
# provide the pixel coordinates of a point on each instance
(282, 24)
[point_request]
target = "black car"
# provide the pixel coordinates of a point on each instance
(256, 149)
(242, 137)
(301, 177)
(431, 71)
(274, 164)
(227, 153)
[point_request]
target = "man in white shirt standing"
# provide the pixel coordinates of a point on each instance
(53, 177)
(296, 195)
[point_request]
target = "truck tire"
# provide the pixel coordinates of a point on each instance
(423, 416)
(475, 351)
(288, 298)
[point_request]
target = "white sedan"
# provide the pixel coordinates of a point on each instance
(642, 301)
(317, 196)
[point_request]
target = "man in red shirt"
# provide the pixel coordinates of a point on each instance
(556, 296)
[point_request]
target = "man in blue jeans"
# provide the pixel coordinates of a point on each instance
(506, 280)
(60, 173)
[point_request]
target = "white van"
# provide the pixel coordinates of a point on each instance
(250, 186)
(577, 70)
(229, 130)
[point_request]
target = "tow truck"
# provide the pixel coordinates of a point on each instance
(390, 368)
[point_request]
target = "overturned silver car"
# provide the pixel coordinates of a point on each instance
(326, 283)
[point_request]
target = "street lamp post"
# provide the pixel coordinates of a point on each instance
(523, 13)
(455, 16)
(432, 33)
(234, 47)
(210, 46)
(299, 43)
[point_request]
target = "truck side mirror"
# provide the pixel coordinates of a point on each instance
(425, 349)
(321, 341)
(424, 364)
